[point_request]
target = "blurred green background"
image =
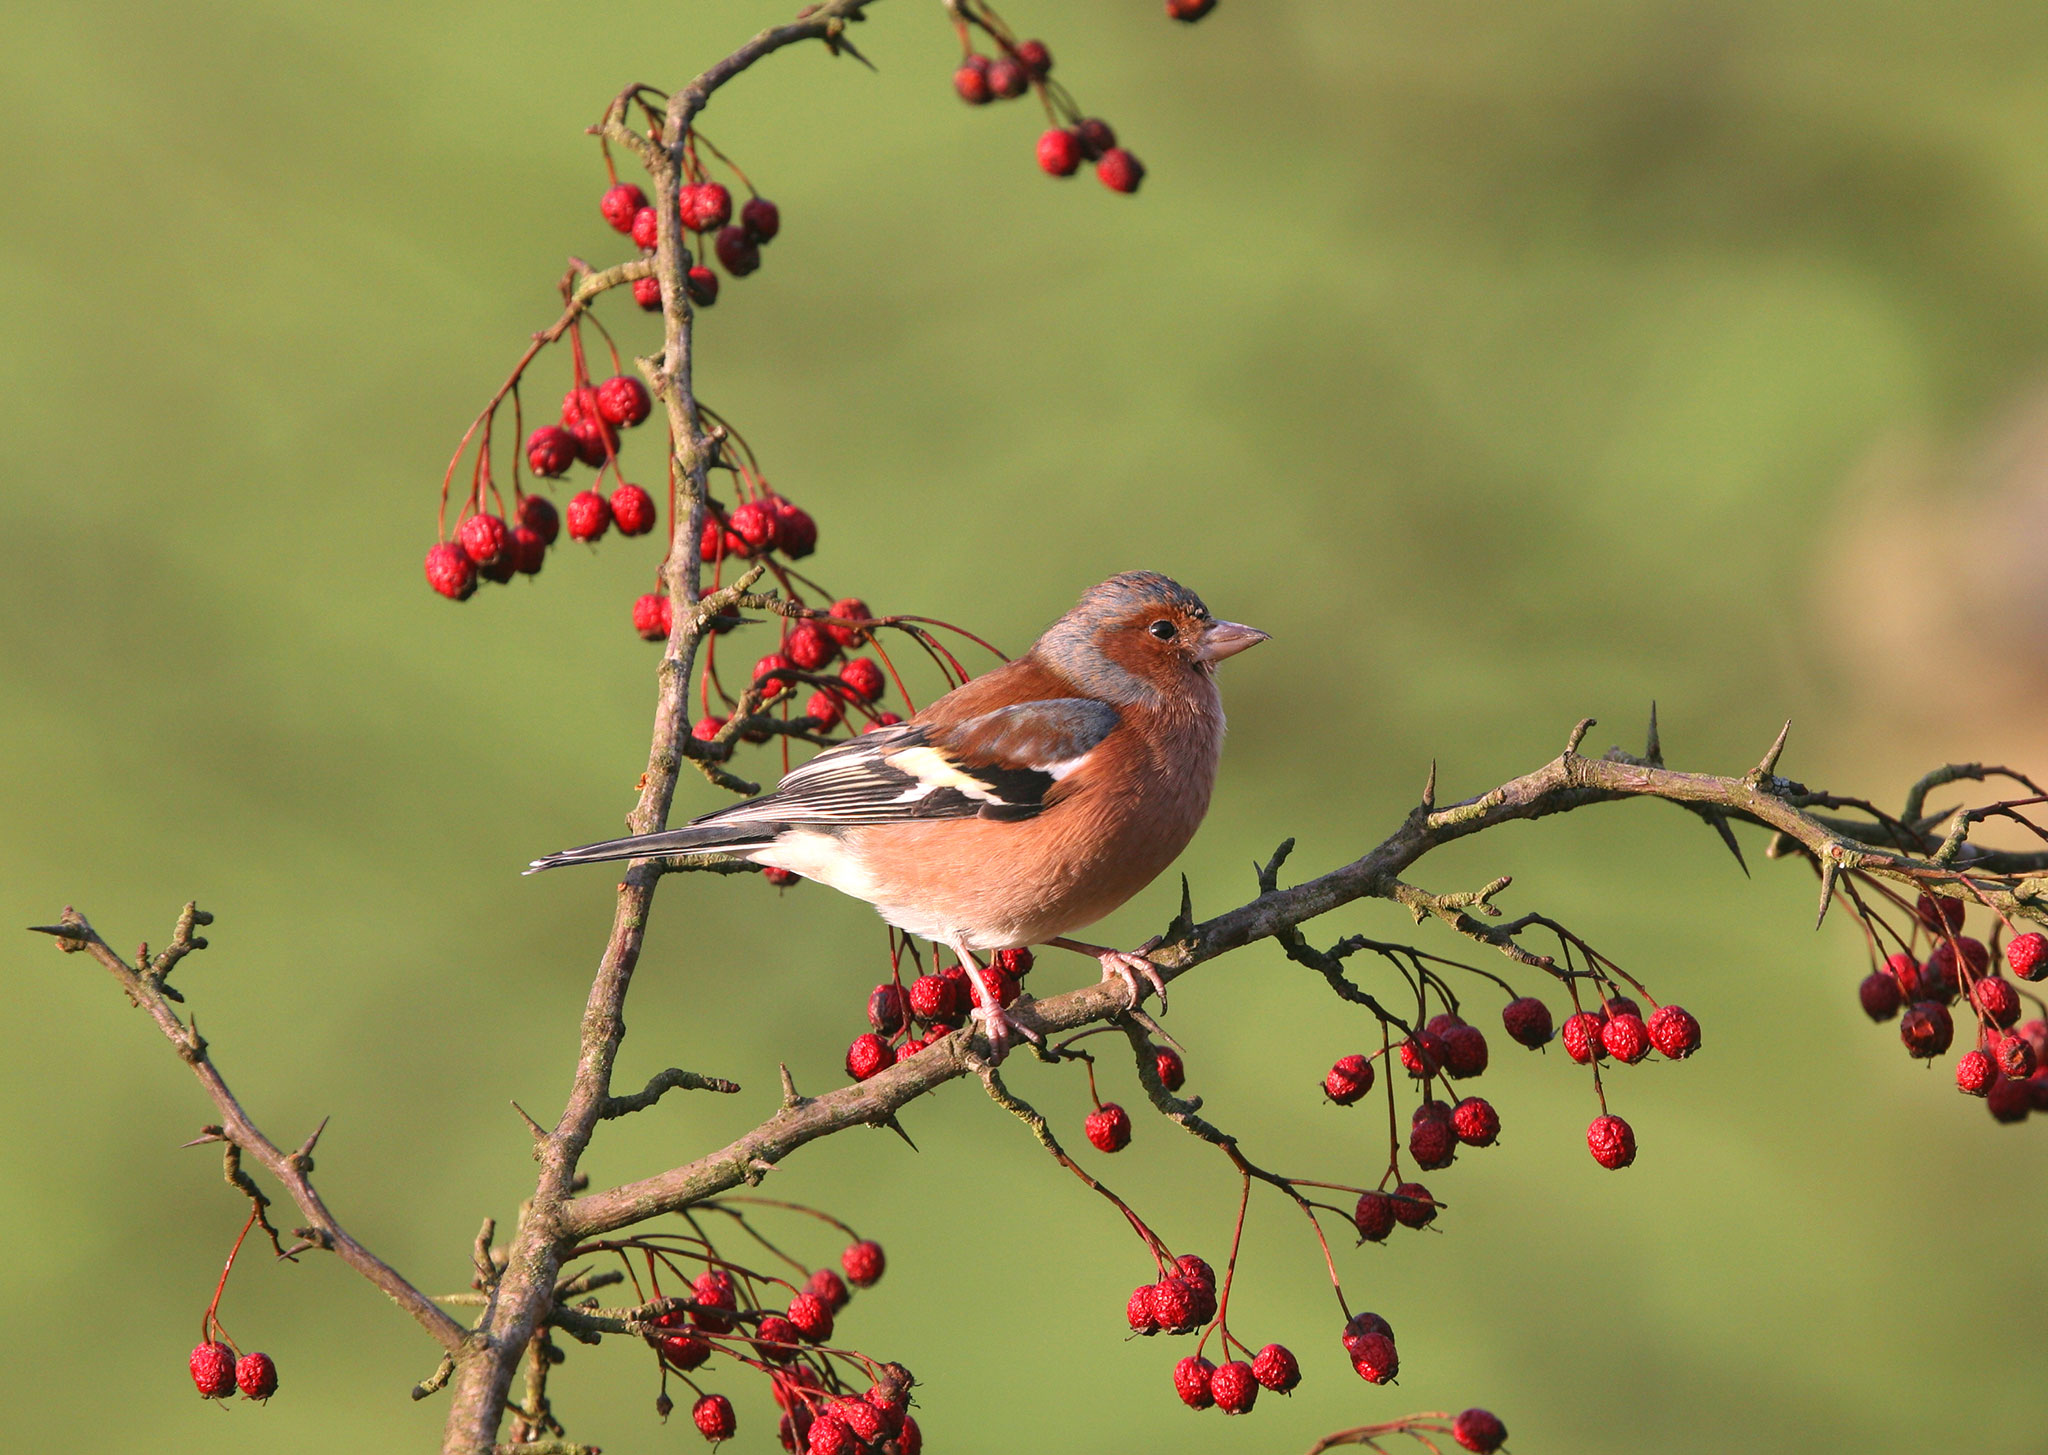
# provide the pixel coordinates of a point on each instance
(1509, 363)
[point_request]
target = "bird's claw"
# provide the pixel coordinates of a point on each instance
(1130, 969)
(1001, 1030)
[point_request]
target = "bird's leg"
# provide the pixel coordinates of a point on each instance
(1124, 965)
(995, 1021)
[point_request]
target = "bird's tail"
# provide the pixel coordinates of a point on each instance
(709, 838)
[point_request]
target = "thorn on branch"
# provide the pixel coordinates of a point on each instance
(540, 1133)
(1269, 877)
(302, 1159)
(1428, 790)
(1653, 745)
(71, 931)
(1769, 765)
(1829, 872)
(896, 1126)
(791, 1101)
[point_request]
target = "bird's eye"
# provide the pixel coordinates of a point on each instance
(1164, 630)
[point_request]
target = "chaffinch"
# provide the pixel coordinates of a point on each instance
(1024, 804)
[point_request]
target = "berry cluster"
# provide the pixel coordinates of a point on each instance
(906, 1019)
(1022, 66)
(2008, 1064)
(219, 1367)
(704, 206)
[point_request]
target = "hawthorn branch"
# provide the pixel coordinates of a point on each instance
(292, 1170)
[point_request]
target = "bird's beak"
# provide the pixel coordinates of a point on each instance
(1222, 639)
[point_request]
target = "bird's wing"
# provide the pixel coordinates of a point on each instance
(999, 765)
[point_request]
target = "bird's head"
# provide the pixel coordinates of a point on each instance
(1140, 633)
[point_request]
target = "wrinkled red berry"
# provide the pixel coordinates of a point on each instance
(715, 1290)
(1361, 1324)
(484, 539)
(703, 206)
(1926, 1029)
(1175, 1303)
(537, 514)
(1423, 1054)
(1479, 1431)
(754, 523)
(1095, 137)
(1120, 171)
(1348, 1080)
(1413, 1206)
(1996, 1000)
(1527, 1020)
(863, 1262)
(829, 1437)
(1582, 1039)
(1939, 913)
(550, 450)
(796, 534)
(970, 81)
(2009, 1100)
(772, 673)
(1626, 1038)
(862, 1418)
(1975, 1073)
(1374, 1357)
(707, 727)
(589, 515)
(1374, 1216)
(1191, 1382)
(1193, 1267)
(1188, 11)
(1944, 959)
(810, 646)
(1276, 1368)
(2014, 1056)
(911, 1440)
(886, 1007)
(700, 283)
(1674, 1033)
(528, 552)
(884, 720)
(652, 618)
(1612, 1142)
(1173, 1074)
(632, 510)
(824, 710)
(780, 878)
(1034, 58)
(622, 400)
(2027, 954)
(811, 1316)
(1007, 77)
(739, 253)
(1109, 1128)
(850, 608)
(1059, 152)
(863, 679)
(1432, 1142)
(1476, 1122)
(1018, 960)
(2035, 1034)
(620, 204)
(1000, 980)
(714, 1418)
(867, 1056)
(1465, 1051)
(682, 1351)
(1879, 993)
(450, 571)
(256, 1376)
(761, 218)
(646, 229)
(828, 1285)
(774, 1330)
(1234, 1387)
(647, 293)
(1138, 1311)
(213, 1370)
(935, 997)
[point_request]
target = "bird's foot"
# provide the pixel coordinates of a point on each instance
(1001, 1030)
(1129, 968)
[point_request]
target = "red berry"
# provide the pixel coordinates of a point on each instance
(1582, 1039)
(1374, 1357)
(1359, 1326)
(1996, 1000)
(704, 206)
(682, 1351)
(1879, 993)
(1476, 1122)
(864, 1263)
(884, 720)
(867, 1056)
(1172, 1073)
(1174, 1304)
(1196, 1268)
(761, 218)
(1189, 11)
(714, 1290)
(2027, 954)
(774, 1330)
(885, 1008)
(851, 608)
(830, 1437)
(256, 1376)
(646, 229)
(647, 293)
(1191, 1382)
(754, 523)
(780, 878)
(2035, 1034)
(450, 571)
(589, 515)
(484, 539)
(863, 679)
(828, 1285)
(1528, 1022)
(1926, 1029)
(213, 1370)
(652, 618)
(2014, 1056)
(1095, 137)
(1906, 970)
(739, 253)
(812, 1316)
(1138, 1311)
(632, 510)
(971, 81)
(1007, 77)
(622, 400)
(596, 441)
(891, 1400)
(1465, 1053)
(714, 1418)
(777, 667)
(707, 727)
(862, 1418)
(1234, 1388)
(550, 450)
(1612, 1142)
(621, 204)
(1621, 1005)
(1059, 153)
(936, 997)
(810, 646)
(1939, 914)
(1109, 1128)
(1479, 1431)
(1034, 58)
(1348, 1080)
(824, 710)
(911, 1440)
(1119, 170)
(528, 552)
(796, 534)
(1674, 1033)
(1018, 960)
(1413, 1206)
(1626, 1038)
(2009, 1100)
(1375, 1216)
(1944, 959)
(1431, 1141)
(1423, 1054)
(1276, 1368)
(537, 514)
(1975, 1073)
